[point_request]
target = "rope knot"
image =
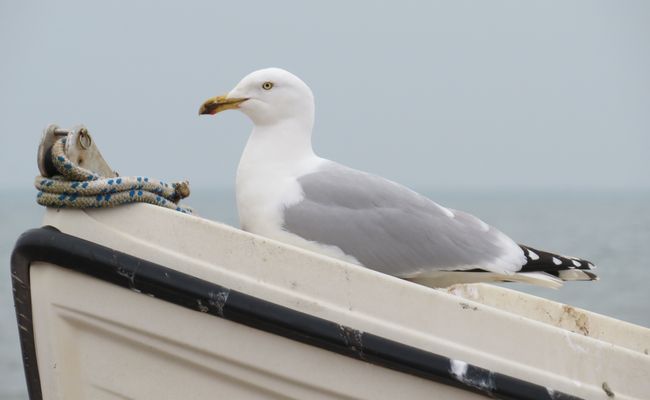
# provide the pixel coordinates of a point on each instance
(68, 184)
(182, 189)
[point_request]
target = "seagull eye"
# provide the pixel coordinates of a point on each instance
(267, 85)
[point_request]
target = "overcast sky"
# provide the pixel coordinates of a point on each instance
(454, 94)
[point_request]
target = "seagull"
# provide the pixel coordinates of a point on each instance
(287, 193)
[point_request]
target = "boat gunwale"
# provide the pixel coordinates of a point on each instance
(48, 244)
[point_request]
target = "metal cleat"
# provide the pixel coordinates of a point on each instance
(79, 148)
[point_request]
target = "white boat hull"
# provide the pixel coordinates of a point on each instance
(101, 336)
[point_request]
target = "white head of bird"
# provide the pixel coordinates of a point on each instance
(268, 97)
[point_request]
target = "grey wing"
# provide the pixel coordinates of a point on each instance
(392, 229)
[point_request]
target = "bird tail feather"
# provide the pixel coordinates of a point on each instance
(439, 279)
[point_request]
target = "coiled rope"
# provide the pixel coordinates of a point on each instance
(78, 187)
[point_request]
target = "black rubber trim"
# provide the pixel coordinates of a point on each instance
(51, 246)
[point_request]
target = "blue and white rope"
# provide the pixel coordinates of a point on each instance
(78, 187)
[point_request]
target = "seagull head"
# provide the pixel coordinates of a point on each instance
(266, 96)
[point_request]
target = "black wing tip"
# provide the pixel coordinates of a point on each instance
(563, 267)
(591, 275)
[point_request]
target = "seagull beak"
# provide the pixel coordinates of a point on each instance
(220, 103)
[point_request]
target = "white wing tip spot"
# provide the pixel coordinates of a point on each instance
(576, 263)
(557, 261)
(533, 256)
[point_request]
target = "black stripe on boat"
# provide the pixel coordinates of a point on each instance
(51, 246)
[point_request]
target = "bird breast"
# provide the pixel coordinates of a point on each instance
(264, 190)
